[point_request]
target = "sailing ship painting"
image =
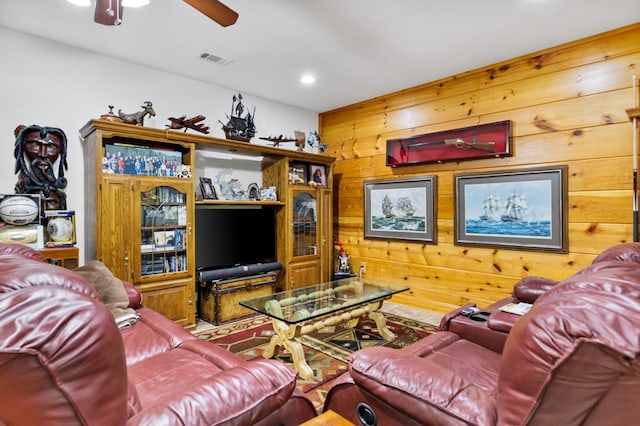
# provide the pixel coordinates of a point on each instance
(502, 209)
(490, 207)
(515, 208)
(398, 210)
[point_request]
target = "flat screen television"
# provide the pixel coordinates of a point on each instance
(231, 237)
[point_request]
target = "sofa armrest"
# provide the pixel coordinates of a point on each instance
(135, 297)
(502, 321)
(528, 289)
(477, 330)
(423, 390)
(446, 319)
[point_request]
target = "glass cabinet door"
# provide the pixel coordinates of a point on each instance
(163, 231)
(305, 223)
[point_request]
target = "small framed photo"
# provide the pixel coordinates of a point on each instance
(403, 209)
(208, 190)
(298, 174)
(523, 209)
(319, 175)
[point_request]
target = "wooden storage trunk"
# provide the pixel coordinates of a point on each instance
(219, 300)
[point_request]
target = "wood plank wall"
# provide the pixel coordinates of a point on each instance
(567, 106)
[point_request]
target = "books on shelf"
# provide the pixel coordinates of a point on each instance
(162, 264)
(516, 308)
(165, 241)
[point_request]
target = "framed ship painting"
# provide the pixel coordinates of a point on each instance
(401, 209)
(523, 209)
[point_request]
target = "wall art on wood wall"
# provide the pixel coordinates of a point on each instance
(401, 209)
(468, 143)
(524, 209)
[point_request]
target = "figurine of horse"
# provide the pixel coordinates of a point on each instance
(137, 118)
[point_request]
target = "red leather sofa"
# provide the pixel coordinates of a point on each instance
(63, 361)
(573, 359)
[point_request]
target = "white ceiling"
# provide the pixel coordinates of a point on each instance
(357, 49)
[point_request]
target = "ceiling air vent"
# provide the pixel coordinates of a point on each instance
(216, 59)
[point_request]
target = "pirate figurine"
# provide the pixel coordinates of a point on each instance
(37, 150)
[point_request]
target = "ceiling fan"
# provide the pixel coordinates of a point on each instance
(109, 12)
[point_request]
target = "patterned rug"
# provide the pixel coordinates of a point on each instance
(326, 350)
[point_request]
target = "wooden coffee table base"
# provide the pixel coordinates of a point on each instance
(286, 333)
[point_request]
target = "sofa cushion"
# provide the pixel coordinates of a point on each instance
(421, 388)
(111, 291)
(175, 386)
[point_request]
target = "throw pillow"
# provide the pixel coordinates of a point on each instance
(111, 291)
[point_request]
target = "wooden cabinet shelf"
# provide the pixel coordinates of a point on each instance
(138, 218)
(121, 223)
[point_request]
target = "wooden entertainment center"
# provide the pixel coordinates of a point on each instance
(141, 226)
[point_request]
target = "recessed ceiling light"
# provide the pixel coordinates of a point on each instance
(308, 79)
(80, 2)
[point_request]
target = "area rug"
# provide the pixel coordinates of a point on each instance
(326, 350)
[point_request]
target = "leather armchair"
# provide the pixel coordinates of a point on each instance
(573, 359)
(63, 360)
(492, 326)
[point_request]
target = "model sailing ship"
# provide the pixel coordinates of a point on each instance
(239, 127)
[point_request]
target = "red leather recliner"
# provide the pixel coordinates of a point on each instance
(491, 328)
(63, 361)
(573, 359)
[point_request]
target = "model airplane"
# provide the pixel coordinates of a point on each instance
(185, 123)
(277, 140)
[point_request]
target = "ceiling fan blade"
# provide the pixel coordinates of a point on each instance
(108, 12)
(215, 10)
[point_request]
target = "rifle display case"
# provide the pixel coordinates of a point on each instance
(468, 143)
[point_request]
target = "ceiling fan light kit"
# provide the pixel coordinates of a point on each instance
(108, 12)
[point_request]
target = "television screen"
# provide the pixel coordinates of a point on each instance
(230, 237)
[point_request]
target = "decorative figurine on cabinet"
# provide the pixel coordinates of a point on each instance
(137, 118)
(239, 128)
(342, 258)
(37, 150)
(313, 140)
(185, 172)
(193, 123)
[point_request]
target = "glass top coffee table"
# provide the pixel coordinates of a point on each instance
(305, 310)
